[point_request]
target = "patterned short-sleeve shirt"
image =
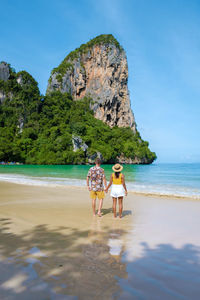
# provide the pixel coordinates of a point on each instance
(96, 175)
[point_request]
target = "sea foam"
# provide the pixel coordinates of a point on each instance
(140, 188)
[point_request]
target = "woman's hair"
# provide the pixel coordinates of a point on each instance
(117, 174)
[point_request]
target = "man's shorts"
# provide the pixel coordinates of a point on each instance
(99, 195)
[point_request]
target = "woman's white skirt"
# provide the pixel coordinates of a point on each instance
(117, 190)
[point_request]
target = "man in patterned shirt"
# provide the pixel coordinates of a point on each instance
(97, 186)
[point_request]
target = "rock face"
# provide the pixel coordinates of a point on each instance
(4, 75)
(2, 96)
(78, 143)
(99, 70)
(14, 86)
(4, 71)
(129, 161)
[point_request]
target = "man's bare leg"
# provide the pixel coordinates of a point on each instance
(100, 207)
(120, 199)
(94, 206)
(114, 207)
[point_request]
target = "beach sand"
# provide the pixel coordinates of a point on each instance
(51, 247)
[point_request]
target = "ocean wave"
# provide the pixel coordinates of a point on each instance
(40, 181)
(140, 188)
(164, 190)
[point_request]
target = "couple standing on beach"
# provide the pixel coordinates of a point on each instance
(97, 184)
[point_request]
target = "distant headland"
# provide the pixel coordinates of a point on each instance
(85, 113)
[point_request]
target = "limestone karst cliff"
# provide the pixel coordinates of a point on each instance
(4, 71)
(4, 75)
(85, 113)
(19, 91)
(13, 84)
(99, 70)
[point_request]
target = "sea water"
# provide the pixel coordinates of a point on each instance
(178, 179)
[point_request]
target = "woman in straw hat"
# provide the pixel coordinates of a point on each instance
(118, 190)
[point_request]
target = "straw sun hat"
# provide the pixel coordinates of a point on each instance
(117, 168)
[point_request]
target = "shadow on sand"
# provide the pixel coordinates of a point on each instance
(66, 263)
(106, 211)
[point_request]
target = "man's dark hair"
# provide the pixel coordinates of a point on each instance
(97, 161)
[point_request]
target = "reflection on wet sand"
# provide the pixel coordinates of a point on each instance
(52, 248)
(83, 264)
(163, 272)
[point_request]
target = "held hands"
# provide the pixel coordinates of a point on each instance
(106, 189)
(89, 188)
(126, 193)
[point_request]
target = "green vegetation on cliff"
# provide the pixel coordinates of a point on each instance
(38, 130)
(106, 39)
(103, 39)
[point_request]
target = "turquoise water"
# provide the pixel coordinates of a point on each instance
(164, 179)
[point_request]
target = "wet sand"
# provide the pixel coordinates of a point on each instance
(51, 247)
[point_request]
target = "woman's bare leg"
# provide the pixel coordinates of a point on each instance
(120, 200)
(100, 207)
(114, 207)
(94, 206)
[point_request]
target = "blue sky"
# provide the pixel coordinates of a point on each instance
(162, 42)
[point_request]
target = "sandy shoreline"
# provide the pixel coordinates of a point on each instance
(53, 248)
(82, 187)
